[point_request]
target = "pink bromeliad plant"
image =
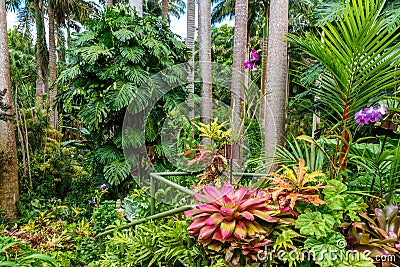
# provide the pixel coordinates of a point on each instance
(230, 215)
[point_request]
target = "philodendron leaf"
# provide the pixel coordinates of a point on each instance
(326, 251)
(315, 224)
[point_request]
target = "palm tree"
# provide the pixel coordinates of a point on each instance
(9, 190)
(60, 11)
(204, 15)
(226, 9)
(238, 73)
(52, 65)
(42, 54)
(277, 75)
(191, 10)
(138, 5)
(164, 8)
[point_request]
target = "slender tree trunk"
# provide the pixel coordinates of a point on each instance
(42, 57)
(205, 60)
(164, 9)
(9, 191)
(264, 58)
(277, 76)
(238, 76)
(52, 67)
(109, 3)
(68, 28)
(138, 5)
(191, 9)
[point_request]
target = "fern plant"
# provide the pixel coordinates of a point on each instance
(155, 244)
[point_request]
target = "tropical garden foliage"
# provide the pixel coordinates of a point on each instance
(204, 188)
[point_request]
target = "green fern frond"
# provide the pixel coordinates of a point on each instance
(84, 38)
(155, 47)
(109, 73)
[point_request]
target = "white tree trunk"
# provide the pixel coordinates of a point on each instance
(205, 60)
(9, 191)
(52, 67)
(191, 7)
(238, 76)
(277, 76)
(109, 3)
(138, 5)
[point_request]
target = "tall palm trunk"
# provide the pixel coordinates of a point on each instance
(238, 75)
(264, 58)
(138, 5)
(191, 9)
(277, 75)
(9, 191)
(52, 67)
(205, 60)
(42, 57)
(164, 9)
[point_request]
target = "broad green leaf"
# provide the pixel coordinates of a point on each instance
(326, 251)
(315, 224)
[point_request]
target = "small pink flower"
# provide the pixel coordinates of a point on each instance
(248, 64)
(254, 55)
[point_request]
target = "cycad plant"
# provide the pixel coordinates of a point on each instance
(359, 54)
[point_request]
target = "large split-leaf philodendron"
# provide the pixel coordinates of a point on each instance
(359, 54)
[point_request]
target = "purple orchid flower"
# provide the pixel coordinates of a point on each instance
(102, 187)
(254, 55)
(248, 64)
(370, 115)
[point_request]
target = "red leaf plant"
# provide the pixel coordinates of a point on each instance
(230, 217)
